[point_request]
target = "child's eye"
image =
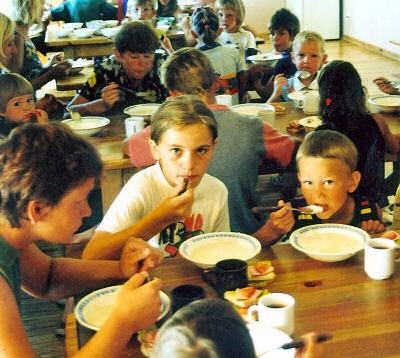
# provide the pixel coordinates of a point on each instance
(175, 150)
(202, 150)
(307, 182)
(30, 100)
(328, 182)
(17, 104)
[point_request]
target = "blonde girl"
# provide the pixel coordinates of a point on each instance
(7, 48)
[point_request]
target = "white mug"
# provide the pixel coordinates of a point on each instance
(379, 258)
(225, 99)
(310, 102)
(274, 310)
(133, 125)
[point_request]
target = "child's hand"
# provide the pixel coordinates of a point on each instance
(61, 69)
(138, 256)
(311, 348)
(58, 57)
(372, 226)
(185, 25)
(166, 44)
(41, 116)
(279, 82)
(385, 85)
(110, 94)
(281, 221)
(138, 303)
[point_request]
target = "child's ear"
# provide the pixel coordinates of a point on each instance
(154, 149)
(325, 58)
(117, 55)
(355, 178)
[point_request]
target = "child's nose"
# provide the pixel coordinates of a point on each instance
(188, 161)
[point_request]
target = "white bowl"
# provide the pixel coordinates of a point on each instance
(93, 310)
(96, 24)
(142, 110)
(207, 249)
(329, 242)
(111, 23)
(110, 31)
(87, 126)
(386, 104)
(254, 109)
(266, 59)
(73, 25)
(61, 32)
(83, 33)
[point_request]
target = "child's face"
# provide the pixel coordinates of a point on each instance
(326, 182)
(280, 40)
(184, 152)
(9, 48)
(142, 12)
(308, 57)
(20, 109)
(135, 65)
(164, 2)
(227, 19)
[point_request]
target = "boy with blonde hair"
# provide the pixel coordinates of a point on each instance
(308, 55)
(327, 162)
(142, 9)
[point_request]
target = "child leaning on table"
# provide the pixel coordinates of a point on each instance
(183, 137)
(327, 162)
(17, 104)
(308, 55)
(128, 77)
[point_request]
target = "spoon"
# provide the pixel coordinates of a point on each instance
(303, 74)
(75, 116)
(310, 209)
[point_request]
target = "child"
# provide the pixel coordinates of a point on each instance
(227, 61)
(327, 165)
(231, 14)
(167, 8)
(7, 42)
(128, 77)
(201, 328)
(283, 28)
(17, 104)
(183, 137)
(26, 61)
(46, 175)
(343, 108)
(142, 10)
(308, 55)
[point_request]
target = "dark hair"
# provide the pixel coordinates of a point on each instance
(205, 23)
(204, 328)
(137, 37)
(42, 162)
(167, 10)
(342, 97)
(189, 71)
(284, 19)
(181, 111)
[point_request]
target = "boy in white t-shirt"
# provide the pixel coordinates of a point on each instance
(183, 137)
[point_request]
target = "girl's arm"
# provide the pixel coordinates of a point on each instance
(392, 141)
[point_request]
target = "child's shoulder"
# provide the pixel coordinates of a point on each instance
(212, 185)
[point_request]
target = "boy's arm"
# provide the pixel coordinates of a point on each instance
(279, 82)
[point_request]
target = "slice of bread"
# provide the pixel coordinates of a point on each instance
(232, 297)
(260, 271)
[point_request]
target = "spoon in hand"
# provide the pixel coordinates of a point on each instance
(310, 209)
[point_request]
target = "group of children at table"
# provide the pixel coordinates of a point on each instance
(47, 173)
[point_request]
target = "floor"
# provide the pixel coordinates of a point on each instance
(42, 330)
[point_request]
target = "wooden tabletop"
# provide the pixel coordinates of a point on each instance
(75, 81)
(362, 314)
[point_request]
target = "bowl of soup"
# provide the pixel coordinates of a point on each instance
(206, 250)
(386, 103)
(87, 126)
(329, 242)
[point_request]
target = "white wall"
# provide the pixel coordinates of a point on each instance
(258, 12)
(374, 22)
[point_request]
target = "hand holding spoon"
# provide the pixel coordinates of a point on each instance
(310, 209)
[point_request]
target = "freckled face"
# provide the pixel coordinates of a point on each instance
(184, 152)
(326, 182)
(136, 65)
(308, 57)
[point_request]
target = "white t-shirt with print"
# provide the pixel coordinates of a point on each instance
(242, 39)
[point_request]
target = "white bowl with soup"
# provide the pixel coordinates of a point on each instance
(206, 250)
(329, 242)
(386, 103)
(87, 126)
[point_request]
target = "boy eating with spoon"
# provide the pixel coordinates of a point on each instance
(327, 162)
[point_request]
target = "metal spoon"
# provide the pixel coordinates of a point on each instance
(310, 209)
(75, 116)
(303, 74)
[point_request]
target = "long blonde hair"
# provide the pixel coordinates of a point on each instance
(27, 12)
(7, 27)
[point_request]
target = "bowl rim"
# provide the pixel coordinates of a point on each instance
(363, 235)
(104, 121)
(372, 100)
(126, 109)
(211, 235)
(259, 57)
(265, 106)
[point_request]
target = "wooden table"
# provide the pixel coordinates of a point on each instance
(362, 314)
(98, 45)
(74, 82)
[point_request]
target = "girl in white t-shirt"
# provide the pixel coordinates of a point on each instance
(231, 15)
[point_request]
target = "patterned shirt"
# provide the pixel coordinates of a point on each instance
(110, 70)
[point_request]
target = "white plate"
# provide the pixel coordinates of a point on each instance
(93, 310)
(329, 242)
(145, 109)
(206, 250)
(311, 122)
(266, 59)
(265, 338)
(252, 109)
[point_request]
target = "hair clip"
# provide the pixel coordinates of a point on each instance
(328, 101)
(206, 26)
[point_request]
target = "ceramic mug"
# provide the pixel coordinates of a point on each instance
(227, 275)
(184, 294)
(310, 102)
(225, 99)
(133, 125)
(274, 310)
(379, 258)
